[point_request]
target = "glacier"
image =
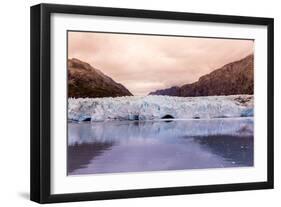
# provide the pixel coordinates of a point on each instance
(155, 107)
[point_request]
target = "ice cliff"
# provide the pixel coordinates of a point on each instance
(159, 107)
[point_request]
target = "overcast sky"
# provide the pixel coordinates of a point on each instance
(144, 63)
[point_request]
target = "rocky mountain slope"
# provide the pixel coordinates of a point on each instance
(86, 81)
(173, 91)
(233, 78)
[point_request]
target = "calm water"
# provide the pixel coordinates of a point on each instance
(134, 146)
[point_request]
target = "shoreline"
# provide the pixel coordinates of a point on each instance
(164, 120)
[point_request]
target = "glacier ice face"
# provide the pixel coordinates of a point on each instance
(158, 107)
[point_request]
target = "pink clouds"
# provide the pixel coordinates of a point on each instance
(144, 63)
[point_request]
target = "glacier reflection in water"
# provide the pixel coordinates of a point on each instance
(137, 146)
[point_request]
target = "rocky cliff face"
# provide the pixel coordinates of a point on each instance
(233, 78)
(86, 81)
(173, 91)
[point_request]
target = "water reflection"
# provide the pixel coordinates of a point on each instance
(237, 150)
(79, 156)
(131, 146)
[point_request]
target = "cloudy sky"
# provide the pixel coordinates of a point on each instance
(145, 63)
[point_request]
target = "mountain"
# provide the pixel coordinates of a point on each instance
(86, 81)
(173, 91)
(233, 78)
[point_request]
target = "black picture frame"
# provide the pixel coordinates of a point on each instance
(41, 102)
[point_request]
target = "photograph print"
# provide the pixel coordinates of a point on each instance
(146, 102)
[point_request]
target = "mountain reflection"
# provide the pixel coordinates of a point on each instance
(133, 146)
(232, 148)
(79, 156)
